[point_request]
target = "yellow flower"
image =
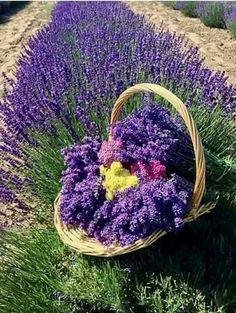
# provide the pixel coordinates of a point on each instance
(117, 178)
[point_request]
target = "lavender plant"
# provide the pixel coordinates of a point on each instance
(214, 14)
(33, 276)
(178, 272)
(188, 8)
(211, 13)
(170, 4)
(73, 70)
(230, 18)
(72, 66)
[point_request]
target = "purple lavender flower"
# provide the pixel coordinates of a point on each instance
(6, 195)
(230, 17)
(82, 190)
(188, 8)
(179, 5)
(211, 13)
(135, 213)
(152, 134)
(75, 67)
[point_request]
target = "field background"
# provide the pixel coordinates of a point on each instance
(215, 45)
(200, 259)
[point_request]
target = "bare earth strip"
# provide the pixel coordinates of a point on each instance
(15, 32)
(215, 45)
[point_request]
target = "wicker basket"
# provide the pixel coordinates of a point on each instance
(78, 239)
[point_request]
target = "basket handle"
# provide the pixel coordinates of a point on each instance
(199, 186)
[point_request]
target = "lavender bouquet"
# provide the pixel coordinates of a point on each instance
(125, 189)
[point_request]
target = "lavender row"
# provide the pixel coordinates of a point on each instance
(74, 68)
(213, 13)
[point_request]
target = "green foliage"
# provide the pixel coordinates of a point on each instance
(218, 137)
(45, 163)
(4, 6)
(166, 295)
(213, 14)
(170, 4)
(189, 9)
(192, 271)
(30, 272)
(231, 26)
(102, 284)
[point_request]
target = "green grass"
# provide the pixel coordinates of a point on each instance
(192, 271)
(189, 9)
(218, 137)
(213, 15)
(30, 272)
(45, 163)
(100, 283)
(165, 294)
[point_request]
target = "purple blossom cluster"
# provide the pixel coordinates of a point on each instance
(81, 190)
(211, 13)
(111, 150)
(93, 51)
(230, 17)
(230, 10)
(220, 14)
(138, 212)
(160, 203)
(75, 67)
(152, 134)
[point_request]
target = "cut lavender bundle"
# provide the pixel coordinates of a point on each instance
(145, 195)
(152, 133)
(137, 212)
(125, 201)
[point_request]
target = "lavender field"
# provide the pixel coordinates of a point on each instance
(68, 78)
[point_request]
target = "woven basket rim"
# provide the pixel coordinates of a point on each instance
(78, 240)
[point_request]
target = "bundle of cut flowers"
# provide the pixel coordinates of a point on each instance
(126, 188)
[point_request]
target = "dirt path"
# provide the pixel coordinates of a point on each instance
(215, 45)
(15, 31)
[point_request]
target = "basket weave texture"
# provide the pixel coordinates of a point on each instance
(78, 240)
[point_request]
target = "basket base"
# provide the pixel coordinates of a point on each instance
(81, 243)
